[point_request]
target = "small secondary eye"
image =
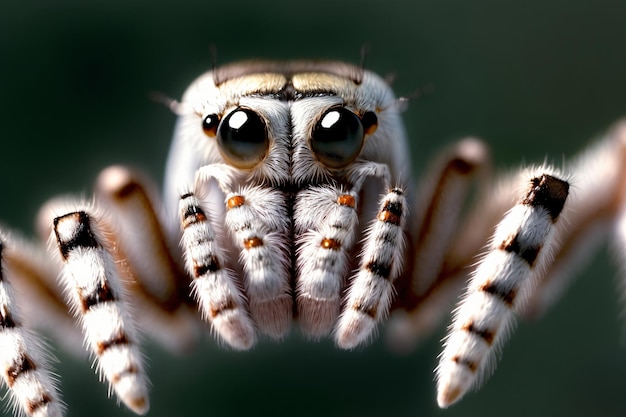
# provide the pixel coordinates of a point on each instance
(242, 138)
(209, 125)
(337, 137)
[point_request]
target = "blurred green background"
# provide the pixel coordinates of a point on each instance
(533, 78)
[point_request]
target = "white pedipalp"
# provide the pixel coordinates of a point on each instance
(256, 218)
(324, 241)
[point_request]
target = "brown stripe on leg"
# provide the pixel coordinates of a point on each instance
(102, 294)
(371, 311)
(22, 364)
(34, 405)
(487, 335)
(119, 339)
(528, 254)
(466, 362)
(506, 295)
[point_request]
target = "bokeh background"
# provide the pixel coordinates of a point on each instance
(533, 78)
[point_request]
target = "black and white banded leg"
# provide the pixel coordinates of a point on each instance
(24, 366)
(96, 296)
(499, 285)
(371, 290)
(219, 297)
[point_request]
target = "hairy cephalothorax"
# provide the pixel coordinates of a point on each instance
(288, 198)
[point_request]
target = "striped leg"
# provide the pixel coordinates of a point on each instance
(436, 271)
(22, 360)
(325, 222)
(219, 296)
(151, 272)
(499, 285)
(96, 295)
(371, 290)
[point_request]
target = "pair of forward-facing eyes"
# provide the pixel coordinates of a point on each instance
(336, 139)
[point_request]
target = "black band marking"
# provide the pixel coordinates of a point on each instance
(117, 340)
(507, 296)
(379, 269)
(22, 364)
(102, 294)
(211, 265)
(82, 237)
(548, 192)
(487, 335)
(468, 363)
(528, 254)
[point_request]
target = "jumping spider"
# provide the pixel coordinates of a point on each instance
(287, 197)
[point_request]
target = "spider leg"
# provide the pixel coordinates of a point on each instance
(146, 257)
(219, 296)
(593, 212)
(256, 217)
(97, 296)
(436, 271)
(325, 224)
(500, 283)
(371, 290)
(34, 276)
(25, 368)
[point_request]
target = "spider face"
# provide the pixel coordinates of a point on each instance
(287, 198)
(293, 147)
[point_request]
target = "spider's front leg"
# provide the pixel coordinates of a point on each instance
(370, 291)
(257, 221)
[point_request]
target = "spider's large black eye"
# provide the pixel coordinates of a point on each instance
(337, 137)
(242, 138)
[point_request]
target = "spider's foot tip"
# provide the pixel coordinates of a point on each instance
(448, 395)
(138, 405)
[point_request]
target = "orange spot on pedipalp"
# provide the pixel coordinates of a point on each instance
(346, 200)
(236, 201)
(253, 242)
(330, 244)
